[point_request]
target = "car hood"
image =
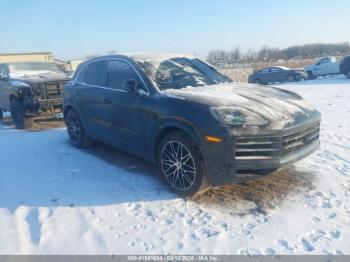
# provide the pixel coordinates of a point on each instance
(44, 77)
(274, 104)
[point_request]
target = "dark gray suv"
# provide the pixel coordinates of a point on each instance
(181, 113)
(29, 89)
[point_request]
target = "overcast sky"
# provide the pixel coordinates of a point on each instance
(74, 29)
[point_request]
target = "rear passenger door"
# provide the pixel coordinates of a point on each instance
(95, 104)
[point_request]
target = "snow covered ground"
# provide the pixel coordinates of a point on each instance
(55, 199)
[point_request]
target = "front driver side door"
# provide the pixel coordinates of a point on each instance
(131, 118)
(320, 68)
(276, 74)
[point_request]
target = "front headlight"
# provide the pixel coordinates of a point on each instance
(237, 116)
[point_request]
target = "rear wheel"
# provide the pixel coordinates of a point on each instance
(181, 164)
(18, 115)
(257, 81)
(76, 131)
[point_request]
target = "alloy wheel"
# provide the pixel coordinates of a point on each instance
(178, 165)
(73, 127)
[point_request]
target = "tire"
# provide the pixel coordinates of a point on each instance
(18, 115)
(75, 130)
(310, 75)
(181, 165)
(291, 78)
(257, 81)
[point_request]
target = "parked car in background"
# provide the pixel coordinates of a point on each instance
(180, 112)
(28, 89)
(276, 74)
(324, 66)
(344, 66)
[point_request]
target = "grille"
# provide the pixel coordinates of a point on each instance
(267, 147)
(295, 141)
(54, 90)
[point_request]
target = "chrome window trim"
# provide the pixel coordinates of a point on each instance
(103, 87)
(108, 88)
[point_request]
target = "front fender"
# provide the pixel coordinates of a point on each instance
(167, 125)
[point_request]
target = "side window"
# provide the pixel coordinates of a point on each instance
(266, 70)
(119, 72)
(322, 61)
(275, 70)
(80, 73)
(96, 74)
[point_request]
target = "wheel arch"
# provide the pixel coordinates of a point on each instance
(66, 109)
(167, 127)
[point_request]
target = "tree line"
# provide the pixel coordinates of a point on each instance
(273, 54)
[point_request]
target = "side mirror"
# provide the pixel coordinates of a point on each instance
(131, 85)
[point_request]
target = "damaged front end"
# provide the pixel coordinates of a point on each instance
(44, 98)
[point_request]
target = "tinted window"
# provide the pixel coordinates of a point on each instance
(275, 70)
(80, 73)
(264, 71)
(119, 72)
(96, 74)
(322, 61)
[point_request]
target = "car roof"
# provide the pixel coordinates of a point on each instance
(156, 56)
(281, 67)
(141, 56)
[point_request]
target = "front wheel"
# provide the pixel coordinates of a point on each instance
(181, 164)
(18, 115)
(291, 78)
(310, 75)
(76, 131)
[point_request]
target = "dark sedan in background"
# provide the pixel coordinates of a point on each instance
(276, 74)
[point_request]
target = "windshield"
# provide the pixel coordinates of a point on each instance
(33, 68)
(177, 73)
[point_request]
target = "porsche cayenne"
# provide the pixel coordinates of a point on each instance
(195, 123)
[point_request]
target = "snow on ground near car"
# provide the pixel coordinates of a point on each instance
(55, 199)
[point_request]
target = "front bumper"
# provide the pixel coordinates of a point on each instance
(249, 157)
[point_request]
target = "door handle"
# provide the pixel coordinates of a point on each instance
(77, 93)
(107, 101)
